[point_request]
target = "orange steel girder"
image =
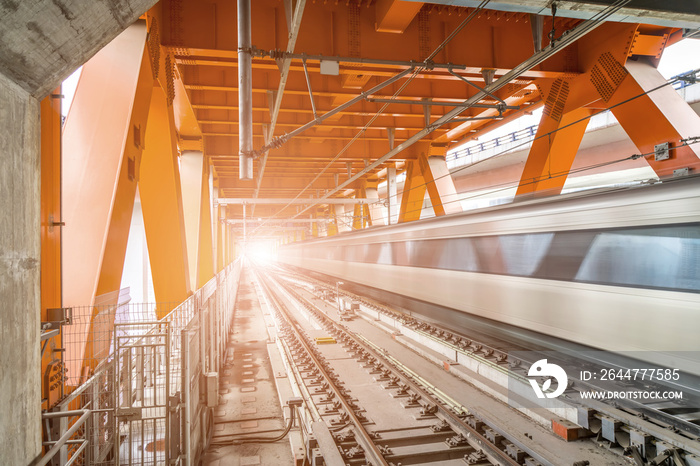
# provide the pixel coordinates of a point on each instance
(658, 117)
(439, 183)
(205, 252)
(51, 390)
(161, 202)
(553, 152)
(204, 46)
(413, 193)
(194, 179)
(607, 82)
(103, 137)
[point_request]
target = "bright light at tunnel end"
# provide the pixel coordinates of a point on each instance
(261, 251)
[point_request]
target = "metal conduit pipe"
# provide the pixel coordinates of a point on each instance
(245, 92)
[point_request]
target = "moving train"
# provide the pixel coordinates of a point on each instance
(616, 270)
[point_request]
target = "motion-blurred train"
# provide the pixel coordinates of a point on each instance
(617, 270)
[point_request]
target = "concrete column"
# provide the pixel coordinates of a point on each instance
(341, 218)
(376, 211)
(20, 384)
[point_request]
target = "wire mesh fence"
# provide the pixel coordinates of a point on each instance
(125, 367)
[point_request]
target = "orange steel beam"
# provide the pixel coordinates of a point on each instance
(551, 157)
(205, 252)
(161, 203)
(353, 127)
(413, 193)
(192, 29)
(439, 183)
(166, 74)
(658, 117)
(192, 177)
(452, 91)
(354, 70)
(51, 298)
(296, 183)
(103, 136)
(606, 82)
(363, 112)
(304, 149)
(312, 137)
(395, 15)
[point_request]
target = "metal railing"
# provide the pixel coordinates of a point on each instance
(466, 155)
(66, 438)
(138, 389)
(521, 135)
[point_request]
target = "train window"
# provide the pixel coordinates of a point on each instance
(426, 253)
(458, 254)
(384, 256)
(400, 253)
(372, 254)
(565, 255)
(522, 254)
(627, 258)
(660, 257)
(490, 256)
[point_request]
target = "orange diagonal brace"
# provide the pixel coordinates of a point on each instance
(205, 252)
(358, 217)
(552, 154)
(657, 117)
(161, 201)
(102, 144)
(413, 193)
(439, 182)
(194, 178)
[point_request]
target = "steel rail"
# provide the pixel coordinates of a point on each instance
(371, 450)
(475, 439)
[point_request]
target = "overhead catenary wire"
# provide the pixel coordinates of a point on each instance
(549, 134)
(502, 187)
(516, 183)
(568, 37)
(424, 65)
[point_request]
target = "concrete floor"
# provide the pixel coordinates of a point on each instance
(248, 402)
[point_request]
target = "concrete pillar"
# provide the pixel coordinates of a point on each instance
(376, 210)
(20, 385)
(341, 219)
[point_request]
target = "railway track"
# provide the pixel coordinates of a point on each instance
(667, 427)
(441, 429)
